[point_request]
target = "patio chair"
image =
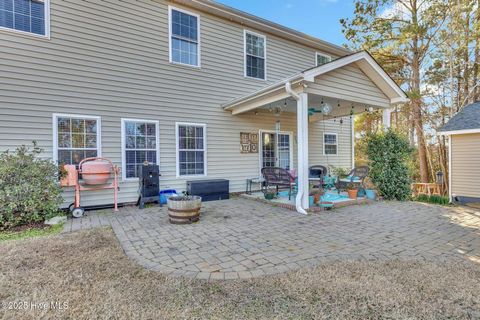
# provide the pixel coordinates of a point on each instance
(356, 176)
(279, 178)
(317, 173)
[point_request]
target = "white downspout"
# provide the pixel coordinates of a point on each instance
(300, 191)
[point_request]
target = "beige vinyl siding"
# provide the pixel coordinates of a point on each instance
(350, 83)
(344, 143)
(110, 59)
(466, 165)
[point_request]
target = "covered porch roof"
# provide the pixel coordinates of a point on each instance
(356, 78)
(349, 84)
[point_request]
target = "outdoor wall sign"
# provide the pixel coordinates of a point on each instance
(248, 142)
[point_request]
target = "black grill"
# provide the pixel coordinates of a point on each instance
(149, 183)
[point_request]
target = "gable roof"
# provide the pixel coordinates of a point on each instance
(465, 121)
(362, 59)
(252, 21)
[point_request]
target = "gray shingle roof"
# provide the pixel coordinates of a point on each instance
(467, 118)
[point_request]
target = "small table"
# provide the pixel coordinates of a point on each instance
(426, 189)
(251, 181)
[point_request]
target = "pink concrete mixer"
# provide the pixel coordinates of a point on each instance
(96, 173)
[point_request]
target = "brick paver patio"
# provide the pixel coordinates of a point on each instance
(242, 238)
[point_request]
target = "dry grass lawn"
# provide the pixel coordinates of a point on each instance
(89, 271)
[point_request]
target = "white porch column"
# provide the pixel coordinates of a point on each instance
(387, 118)
(302, 141)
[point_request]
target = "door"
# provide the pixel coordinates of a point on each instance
(275, 150)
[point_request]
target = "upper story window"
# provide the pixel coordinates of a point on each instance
(75, 138)
(330, 144)
(255, 55)
(321, 58)
(29, 16)
(184, 37)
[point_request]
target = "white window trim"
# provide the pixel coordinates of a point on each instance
(260, 155)
(245, 31)
(323, 143)
(157, 143)
(323, 55)
(55, 117)
(199, 51)
(177, 140)
(31, 34)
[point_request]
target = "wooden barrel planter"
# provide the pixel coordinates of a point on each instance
(184, 210)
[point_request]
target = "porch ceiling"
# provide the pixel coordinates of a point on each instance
(340, 107)
(347, 89)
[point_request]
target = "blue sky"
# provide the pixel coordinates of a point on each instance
(318, 18)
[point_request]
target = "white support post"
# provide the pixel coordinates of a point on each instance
(302, 137)
(387, 118)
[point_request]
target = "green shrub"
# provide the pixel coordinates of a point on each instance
(29, 189)
(444, 201)
(388, 155)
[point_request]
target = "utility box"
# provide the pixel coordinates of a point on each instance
(209, 190)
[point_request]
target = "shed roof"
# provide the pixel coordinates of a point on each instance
(466, 121)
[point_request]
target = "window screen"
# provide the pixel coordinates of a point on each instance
(140, 145)
(330, 143)
(255, 56)
(23, 15)
(184, 38)
(191, 149)
(77, 139)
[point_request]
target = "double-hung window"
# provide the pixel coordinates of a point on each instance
(191, 146)
(321, 58)
(29, 16)
(140, 139)
(75, 138)
(255, 55)
(330, 144)
(184, 37)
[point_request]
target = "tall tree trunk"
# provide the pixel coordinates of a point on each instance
(476, 58)
(417, 100)
(466, 57)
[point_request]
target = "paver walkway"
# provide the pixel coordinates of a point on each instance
(242, 238)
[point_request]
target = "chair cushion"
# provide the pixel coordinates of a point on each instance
(349, 179)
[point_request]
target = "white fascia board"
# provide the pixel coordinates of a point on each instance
(454, 132)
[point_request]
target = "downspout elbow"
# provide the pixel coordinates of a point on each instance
(288, 88)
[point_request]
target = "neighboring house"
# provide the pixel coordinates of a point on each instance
(464, 154)
(175, 83)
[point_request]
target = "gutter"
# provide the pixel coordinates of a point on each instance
(300, 192)
(247, 19)
(275, 86)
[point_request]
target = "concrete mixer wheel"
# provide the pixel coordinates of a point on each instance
(78, 212)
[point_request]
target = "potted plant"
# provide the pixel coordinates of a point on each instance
(270, 194)
(339, 171)
(184, 209)
(316, 193)
(352, 190)
(370, 191)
